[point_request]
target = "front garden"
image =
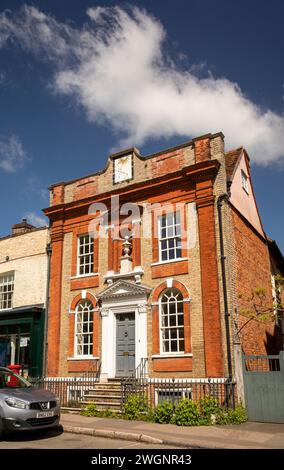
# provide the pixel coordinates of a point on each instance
(186, 412)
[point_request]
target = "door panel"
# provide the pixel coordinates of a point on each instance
(5, 352)
(125, 344)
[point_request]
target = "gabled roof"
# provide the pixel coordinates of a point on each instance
(231, 160)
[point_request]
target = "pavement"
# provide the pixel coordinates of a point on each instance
(249, 435)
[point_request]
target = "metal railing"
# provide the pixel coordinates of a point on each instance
(153, 390)
(141, 369)
(70, 390)
(262, 363)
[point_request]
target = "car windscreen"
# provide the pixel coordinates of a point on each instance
(11, 380)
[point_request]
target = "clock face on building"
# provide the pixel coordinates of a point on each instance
(122, 169)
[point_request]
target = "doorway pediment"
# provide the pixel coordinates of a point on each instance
(122, 289)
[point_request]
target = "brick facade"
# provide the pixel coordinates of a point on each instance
(192, 175)
(253, 272)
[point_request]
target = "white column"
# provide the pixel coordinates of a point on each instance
(108, 352)
(141, 333)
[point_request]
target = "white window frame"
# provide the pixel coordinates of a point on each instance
(180, 394)
(7, 279)
(166, 238)
(176, 326)
(76, 344)
(82, 257)
(245, 180)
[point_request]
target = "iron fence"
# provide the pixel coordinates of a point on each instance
(70, 390)
(154, 391)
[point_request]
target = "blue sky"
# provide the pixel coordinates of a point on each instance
(82, 81)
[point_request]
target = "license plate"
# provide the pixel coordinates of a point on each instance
(45, 414)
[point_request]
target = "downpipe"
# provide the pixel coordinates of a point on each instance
(221, 198)
(45, 343)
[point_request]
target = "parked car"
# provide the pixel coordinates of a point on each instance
(23, 407)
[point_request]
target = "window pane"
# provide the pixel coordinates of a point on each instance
(173, 334)
(174, 346)
(172, 320)
(84, 328)
(163, 221)
(86, 255)
(163, 233)
(178, 253)
(172, 307)
(164, 255)
(164, 245)
(166, 346)
(6, 291)
(164, 321)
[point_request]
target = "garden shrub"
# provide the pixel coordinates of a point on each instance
(135, 406)
(236, 416)
(187, 413)
(90, 410)
(209, 408)
(163, 412)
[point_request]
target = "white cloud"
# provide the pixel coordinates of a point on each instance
(13, 157)
(35, 219)
(116, 68)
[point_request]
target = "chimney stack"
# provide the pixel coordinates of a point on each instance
(22, 227)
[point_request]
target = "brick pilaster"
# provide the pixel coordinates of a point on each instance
(54, 317)
(210, 287)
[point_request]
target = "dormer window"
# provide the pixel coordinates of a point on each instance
(245, 182)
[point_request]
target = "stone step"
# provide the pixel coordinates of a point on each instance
(101, 393)
(107, 385)
(102, 405)
(99, 398)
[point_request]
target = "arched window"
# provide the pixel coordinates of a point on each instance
(84, 328)
(171, 321)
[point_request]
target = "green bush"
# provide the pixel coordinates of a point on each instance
(236, 416)
(187, 413)
(107, 413)
(209, 408)
(163, 412)
(90, 410)
(135, 406)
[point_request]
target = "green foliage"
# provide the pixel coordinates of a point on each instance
(187, 413)
(135, 406)
(107, 413)
(163, 412)
(209, 408)
(90, 410)
(236, 416)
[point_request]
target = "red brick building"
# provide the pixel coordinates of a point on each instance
(164, 284)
